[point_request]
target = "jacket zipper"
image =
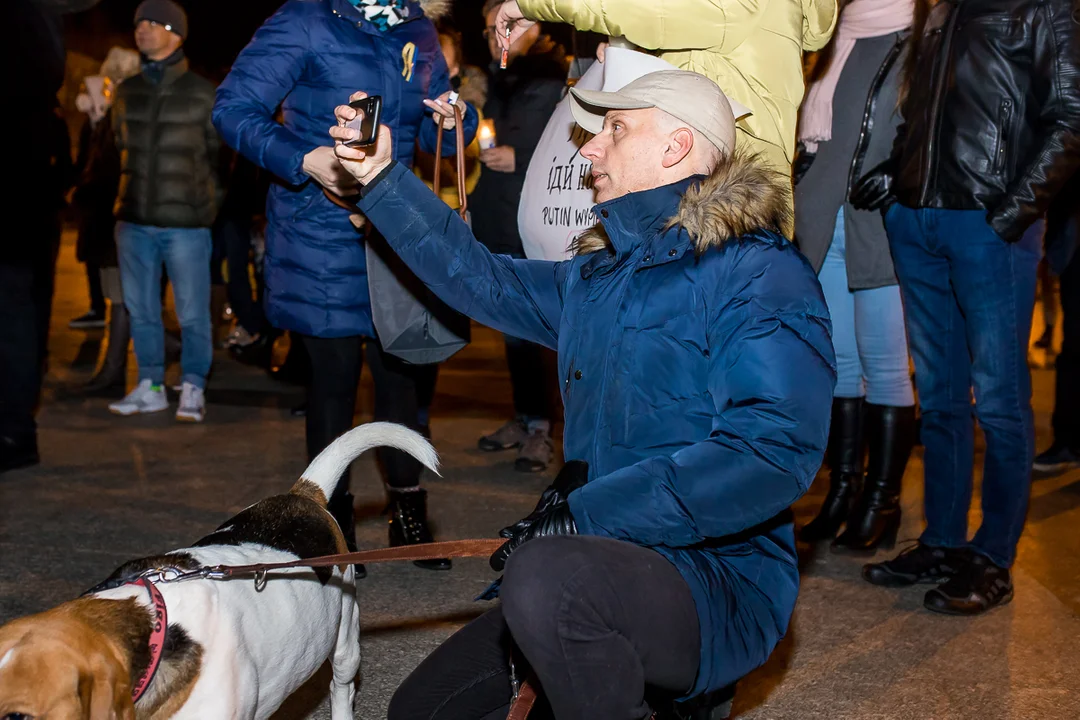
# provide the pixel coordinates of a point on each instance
(1002, 146)
(868, 113)
(151, 196)
(939, 83)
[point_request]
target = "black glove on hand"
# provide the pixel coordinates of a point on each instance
(557, 520)
(802, 163)
(873, 191)
(573, 475)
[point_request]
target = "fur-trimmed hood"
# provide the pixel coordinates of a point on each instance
(740, 196)
(435, 9)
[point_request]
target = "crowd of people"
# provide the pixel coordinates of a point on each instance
(845, 273)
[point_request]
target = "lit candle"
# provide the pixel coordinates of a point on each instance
(485, 134)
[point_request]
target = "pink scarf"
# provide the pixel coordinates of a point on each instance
(860, 19)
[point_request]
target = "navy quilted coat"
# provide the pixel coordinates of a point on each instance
(697, 374)
(308, 58)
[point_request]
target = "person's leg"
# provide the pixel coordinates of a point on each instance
(1066, 418)
(187, 260)
(465, 678)
(20, 371)
(396, 401)
(525, 361)
(995, 285)
(845, 449)
(97, 294)
(938, 337)
(141, 260)
(889, 423)
(236, 237)
(113, 368)
(601, 621)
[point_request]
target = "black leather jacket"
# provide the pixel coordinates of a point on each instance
(992, 119)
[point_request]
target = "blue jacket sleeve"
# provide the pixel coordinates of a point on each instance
(429, 131)
(264, 73)
(771, 377)
(522, 298)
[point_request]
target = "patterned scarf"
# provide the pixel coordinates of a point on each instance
(383, 14)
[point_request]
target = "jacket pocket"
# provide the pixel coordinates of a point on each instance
(999, 162)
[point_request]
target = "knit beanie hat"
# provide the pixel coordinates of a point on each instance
(163, 12)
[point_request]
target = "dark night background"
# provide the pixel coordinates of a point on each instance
(219, 29)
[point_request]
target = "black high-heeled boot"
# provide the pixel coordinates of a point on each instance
(409, 526)
(340, 506)
(845, 455)
(875, 519)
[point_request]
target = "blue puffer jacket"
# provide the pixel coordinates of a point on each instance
(697, 366)
(308, 58)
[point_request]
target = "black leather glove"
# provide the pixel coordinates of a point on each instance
(873, 191)
(802, 163)
(573, 475)
(557, 520)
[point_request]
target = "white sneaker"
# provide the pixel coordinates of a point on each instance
(192, 404)
(143, 399)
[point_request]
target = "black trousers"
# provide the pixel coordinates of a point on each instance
(604, 626)
(26, 294)
(235, 240)
(335, 377)
(93, 279)
(1066, 418)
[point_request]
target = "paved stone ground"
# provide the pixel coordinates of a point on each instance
(110, 489)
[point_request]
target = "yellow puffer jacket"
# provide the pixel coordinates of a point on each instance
(751, 48)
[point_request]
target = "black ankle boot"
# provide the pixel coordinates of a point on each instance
(875, 520)
(845, 455)
(408, 524)
(340, 506)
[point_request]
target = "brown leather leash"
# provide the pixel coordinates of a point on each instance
(521, 704)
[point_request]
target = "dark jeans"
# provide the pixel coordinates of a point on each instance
(234, 237)
(26, 294)
(532, 378)
(93, 279)
(1066, 418)
(601, 623)
(968, 299)
(335, 377)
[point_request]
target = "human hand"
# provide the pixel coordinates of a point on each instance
(873, 191)
(441, 107)
(556, 521)
(510, 16)
(572, 476)
(323, 167)
(601, 51)
(361, 163)
(499, 159)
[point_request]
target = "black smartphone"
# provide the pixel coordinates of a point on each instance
(366, 123)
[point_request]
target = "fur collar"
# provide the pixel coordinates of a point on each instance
(435, 9)
(741, 196)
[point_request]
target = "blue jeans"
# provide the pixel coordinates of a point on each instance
(868, 333)
(185, 253)
(969, 297)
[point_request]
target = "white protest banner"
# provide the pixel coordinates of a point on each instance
(557, 200)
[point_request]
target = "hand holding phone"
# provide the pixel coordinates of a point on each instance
(366, 122)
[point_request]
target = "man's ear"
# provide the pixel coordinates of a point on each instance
(679, 145)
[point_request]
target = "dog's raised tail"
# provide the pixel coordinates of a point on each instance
(325, 471)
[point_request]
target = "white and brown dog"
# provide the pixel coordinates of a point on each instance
(230, 650)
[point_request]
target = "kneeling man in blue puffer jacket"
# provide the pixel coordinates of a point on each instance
(697, 374)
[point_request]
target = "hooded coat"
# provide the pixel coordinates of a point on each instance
(697, 374)
(308, 58)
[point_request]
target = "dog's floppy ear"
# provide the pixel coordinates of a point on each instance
(105, 692)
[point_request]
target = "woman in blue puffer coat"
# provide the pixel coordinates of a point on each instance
(306, 59)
